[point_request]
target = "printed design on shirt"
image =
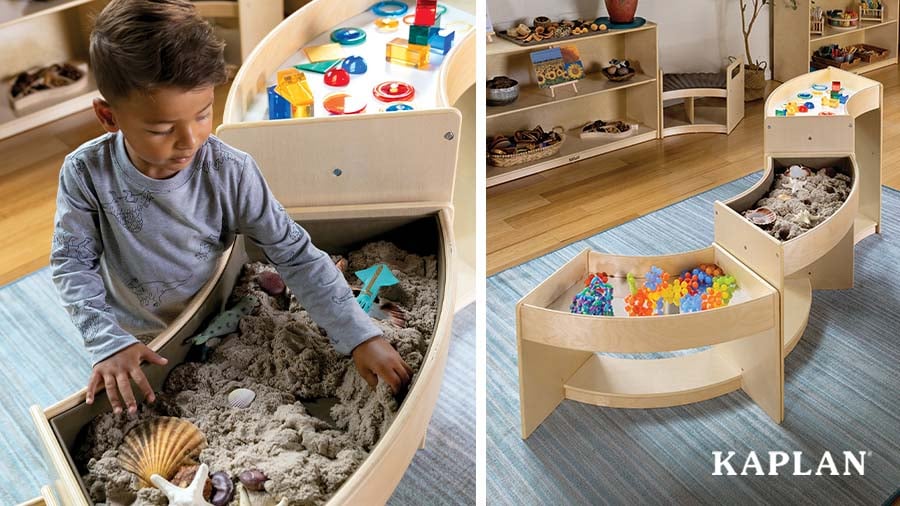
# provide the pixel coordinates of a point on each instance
(152, 292)
(128, 208)
(208, 247)
(80, 166)
(73, 247)
(218, 162)
(342, 298)
(89, 318)
(296, 231)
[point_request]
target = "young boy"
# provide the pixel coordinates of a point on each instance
(144, 210)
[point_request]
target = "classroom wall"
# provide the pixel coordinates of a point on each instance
(694, 35)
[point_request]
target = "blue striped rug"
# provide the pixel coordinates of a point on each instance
(841, 393)
(43, 361)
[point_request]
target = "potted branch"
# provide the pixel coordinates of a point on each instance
(754, 70)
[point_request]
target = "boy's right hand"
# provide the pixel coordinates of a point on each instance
(116, 372)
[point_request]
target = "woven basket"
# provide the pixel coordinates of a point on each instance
(754, 83)
(528, 156)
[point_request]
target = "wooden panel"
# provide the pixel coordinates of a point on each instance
(649, 334)
(549, 289)
(630, 383)
(543, 372)
(256, 19)
(757, 250)
(458, 74)
(735, 93)
(299, 157)
(796, 303)
(217, 8)
(790, 39)
(809, 134)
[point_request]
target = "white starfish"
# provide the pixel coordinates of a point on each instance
(804, 217)
(190, 496)
(797, 185)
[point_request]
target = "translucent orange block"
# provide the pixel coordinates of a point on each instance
(401, 51)
(293, 87)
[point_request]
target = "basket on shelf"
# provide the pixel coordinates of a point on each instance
(54, 83)
(867, 14)
(608, 130)
(869, 53)
(840, 22)
(551, 144)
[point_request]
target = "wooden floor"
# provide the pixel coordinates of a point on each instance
(29, 175)
(529, 217)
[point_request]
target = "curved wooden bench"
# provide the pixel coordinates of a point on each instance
(728, 85)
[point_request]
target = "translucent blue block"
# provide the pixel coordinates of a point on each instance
(441, 44)
(279, 107)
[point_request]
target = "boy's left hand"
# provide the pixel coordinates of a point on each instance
(376, 358)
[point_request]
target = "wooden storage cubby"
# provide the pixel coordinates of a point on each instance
(37, 34)
(794, 46)
(634, 101)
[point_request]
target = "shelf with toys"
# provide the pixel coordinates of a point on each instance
(792, 232)
(795, 42)
(633, 100)
(36, 36)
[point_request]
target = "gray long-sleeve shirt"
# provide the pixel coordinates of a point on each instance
(130, 251)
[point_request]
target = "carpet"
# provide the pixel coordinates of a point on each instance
(841, 393)
(44, 362)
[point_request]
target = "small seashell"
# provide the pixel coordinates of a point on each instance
(160, 446)
(253, 479)
(798, 171)
(761, 216)
(271, 283)
(241, 398)
(223, 488)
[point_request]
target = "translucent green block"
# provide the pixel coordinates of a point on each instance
(418, 34)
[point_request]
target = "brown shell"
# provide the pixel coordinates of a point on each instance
(762, 216)
(160, 446)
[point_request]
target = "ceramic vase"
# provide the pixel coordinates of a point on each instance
(621, 11)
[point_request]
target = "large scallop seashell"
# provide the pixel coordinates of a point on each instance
(241, 398)
(160, 446)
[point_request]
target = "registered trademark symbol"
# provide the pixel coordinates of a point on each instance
(869, 453)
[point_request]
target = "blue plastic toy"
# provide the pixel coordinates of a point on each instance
(653, 278)
(279, 107)
(373, 279)
(348, 36)
(390, 8)
(691, 303)
(354, 65)
(810, 106)
(441, 44)
(225, 322)
(398, 106)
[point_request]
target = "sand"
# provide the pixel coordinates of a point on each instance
(802, 203)
(284, 357)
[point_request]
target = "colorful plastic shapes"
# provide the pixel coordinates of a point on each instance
(348, 36)
(318, 67)
(418, 34)
(354, 65)
(638, 304)
(691, 303)
(820, 87)
(804, 96)
(343, 103)
(279, 107)
(373, 279)
(324, 52)
(390, 8)
(337, 77)
(394, 91)
(596, 297)
(441, 41)
(402, 51)
(387, 24)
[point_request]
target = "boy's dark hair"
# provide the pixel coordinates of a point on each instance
(141, 45)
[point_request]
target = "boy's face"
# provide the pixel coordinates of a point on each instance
(163, 129)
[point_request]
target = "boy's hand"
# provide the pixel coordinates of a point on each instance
(116, 372)
(376, 358)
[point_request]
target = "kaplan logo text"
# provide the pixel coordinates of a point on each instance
(794, 463)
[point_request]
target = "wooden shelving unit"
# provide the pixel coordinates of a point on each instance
(36, 34)
(635, 100)
(794, 45)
